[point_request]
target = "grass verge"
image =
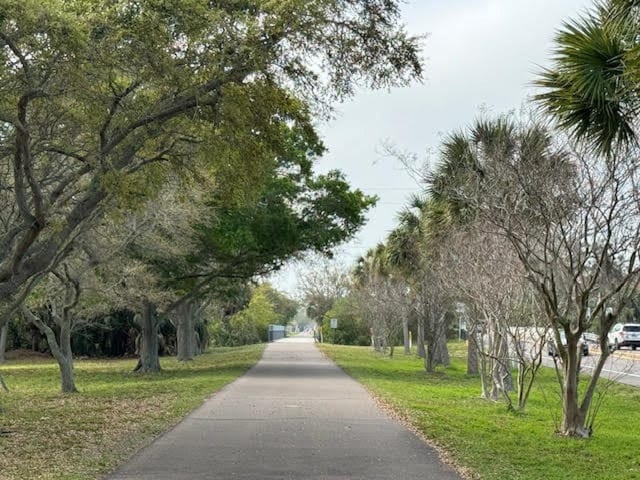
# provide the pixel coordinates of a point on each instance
(48, 435)
(483, 438)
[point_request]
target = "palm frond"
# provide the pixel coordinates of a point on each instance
(591, 89)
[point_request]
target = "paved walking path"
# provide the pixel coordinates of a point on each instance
(296, 416)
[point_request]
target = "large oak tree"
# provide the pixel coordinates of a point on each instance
(99, 100)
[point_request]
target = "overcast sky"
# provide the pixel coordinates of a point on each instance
(479, 55)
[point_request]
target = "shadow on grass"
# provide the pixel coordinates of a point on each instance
(115, 376)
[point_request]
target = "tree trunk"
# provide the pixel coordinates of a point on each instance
(149, 362)
(429, 364)
(62, 353)
(441, 356)
(377, 344)
(573, 418)
(483, 364)
(501, 378)
(185, 331)
(431, 352)
(420, 339)
(67, 381)
(198, 345)
(35, 340)
(3, 346)
(472, 352)
(505, 365)
(4, 331)
(405, 335)
(65, 360)
(60, 348)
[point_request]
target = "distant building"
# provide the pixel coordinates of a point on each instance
(277, 332)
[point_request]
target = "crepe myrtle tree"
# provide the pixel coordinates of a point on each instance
(476, 278)
(431, 302)
(383, 303)
(507, 326)
(383, 296)
(100, 100)
(573, 219)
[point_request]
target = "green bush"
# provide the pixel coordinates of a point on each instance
(352, 329)
(249, 325)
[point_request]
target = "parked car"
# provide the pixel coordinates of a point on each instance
(624, 335)
(553, 351)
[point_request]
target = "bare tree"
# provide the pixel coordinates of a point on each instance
(479, 283)
(484, 272)
(573, 220)
(322, 283)
(384, 303)
(432, 304)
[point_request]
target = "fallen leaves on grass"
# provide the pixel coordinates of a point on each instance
(49, 435)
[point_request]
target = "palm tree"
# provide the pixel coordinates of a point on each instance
(403, 252)
(411, 251)
(461, 166)
(403, 243)
(466, 158)
(380, 293)
(592, 88)
(373, 263)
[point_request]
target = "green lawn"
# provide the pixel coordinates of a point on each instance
(491, 443)
(49, 435)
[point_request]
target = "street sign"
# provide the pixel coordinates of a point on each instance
(334, 323)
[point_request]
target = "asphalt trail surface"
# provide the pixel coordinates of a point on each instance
(295, 415)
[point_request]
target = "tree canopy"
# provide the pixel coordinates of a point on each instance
(100, 101)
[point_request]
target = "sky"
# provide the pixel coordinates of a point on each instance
(480, 56)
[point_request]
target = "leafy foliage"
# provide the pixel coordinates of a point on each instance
(249, 325)
(294, 212)
(101, 103)
(592, 88)
(352, 329)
